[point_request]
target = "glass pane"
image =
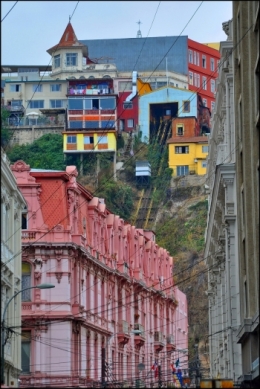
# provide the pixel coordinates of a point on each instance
(76, 124)
(108, 103)
(87, 103)
(75, 103)
(92, 124)
(26, 345)
(26, 283)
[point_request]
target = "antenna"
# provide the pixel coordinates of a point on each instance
(139, 34)
(69, 18)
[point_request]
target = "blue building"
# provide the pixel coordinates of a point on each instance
(164, 104)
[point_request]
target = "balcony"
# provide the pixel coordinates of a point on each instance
(140, 338)
(158, 341)
(28, 235)
(171, 346)
(123, 335)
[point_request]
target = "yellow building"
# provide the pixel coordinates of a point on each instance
(87, 141)
(188, 155)
(214, 45)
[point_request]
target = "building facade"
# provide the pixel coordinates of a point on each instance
(12, 210)
(203, 67)
(221, 249)
(113, 290)
(246, 102)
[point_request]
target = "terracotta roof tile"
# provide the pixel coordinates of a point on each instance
(68, 39)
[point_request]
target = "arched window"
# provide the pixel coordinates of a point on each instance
(26, 281)
(82, 77)
(91, 77)
(106, 76)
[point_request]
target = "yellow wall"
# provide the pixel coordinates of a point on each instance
(111, 138)
(143, 87)
(195, 152)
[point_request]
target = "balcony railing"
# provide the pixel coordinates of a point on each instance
(28, 235)
(170, 339)
(139, 327)
(123, 327)
(104, 91)
(158, 336)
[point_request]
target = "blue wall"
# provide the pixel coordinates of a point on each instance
(164, 95)
(143, 54)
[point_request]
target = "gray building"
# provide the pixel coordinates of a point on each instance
(247, 122)
(221, 250)
(232, 235)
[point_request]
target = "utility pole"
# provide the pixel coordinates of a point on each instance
(103, 367)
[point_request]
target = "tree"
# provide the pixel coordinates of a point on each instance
(6, 133)
(44, 153)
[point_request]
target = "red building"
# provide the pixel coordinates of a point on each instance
(203, 62)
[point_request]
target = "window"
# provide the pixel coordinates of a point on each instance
(204, 102)
(181, 149)
(130, 123)
(179, 130)
(198, 59)
(16, 103)
(71, 59)
(56, 61)
(186, 106)
(56, 103)
(92, 124)
(190, 56)
(182, 170)
(71, 139)
(204, 83)
(218, 65)
(75, 104)
(212, 86)
(26, 351)
(195, 58)
(190, 78)
(88, 140)
(75, 124)
(109, 103)
(204, 164)
(36, 104)
(37, 88)
(26, 281)
(107, 124)
(198, 80)
(55, 87)
(205, 149)
(102, 139)
(128, 105)
(212, 64)
(24, 218)
(212, 106)
(204, 65)
(15, 88)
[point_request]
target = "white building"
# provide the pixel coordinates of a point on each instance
(221, 251)
(12, 206)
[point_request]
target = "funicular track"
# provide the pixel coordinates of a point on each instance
(145, 212)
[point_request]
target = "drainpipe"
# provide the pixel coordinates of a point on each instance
(134, 88)
(229, 151)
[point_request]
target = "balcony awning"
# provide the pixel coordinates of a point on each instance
(52, 111)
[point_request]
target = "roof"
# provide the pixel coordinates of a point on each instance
(14, 68)
(192, 139)
(143, 54)
(69, 40)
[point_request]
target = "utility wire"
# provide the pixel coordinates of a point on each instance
(9, 11)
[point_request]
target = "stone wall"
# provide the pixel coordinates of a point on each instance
(27, 134)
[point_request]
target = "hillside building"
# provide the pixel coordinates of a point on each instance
(110, 279)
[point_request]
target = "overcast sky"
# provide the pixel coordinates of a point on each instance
(32, 27)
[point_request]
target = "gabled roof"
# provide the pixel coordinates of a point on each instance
(69, 40)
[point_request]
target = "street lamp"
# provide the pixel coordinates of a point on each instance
(41, 286)
(103, 355)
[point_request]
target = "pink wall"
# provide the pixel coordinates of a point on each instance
(109, 277)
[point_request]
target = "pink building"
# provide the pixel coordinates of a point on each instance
(110, 279)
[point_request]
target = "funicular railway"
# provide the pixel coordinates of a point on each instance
(145, 212)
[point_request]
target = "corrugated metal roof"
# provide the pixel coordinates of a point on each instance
(125, 53)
